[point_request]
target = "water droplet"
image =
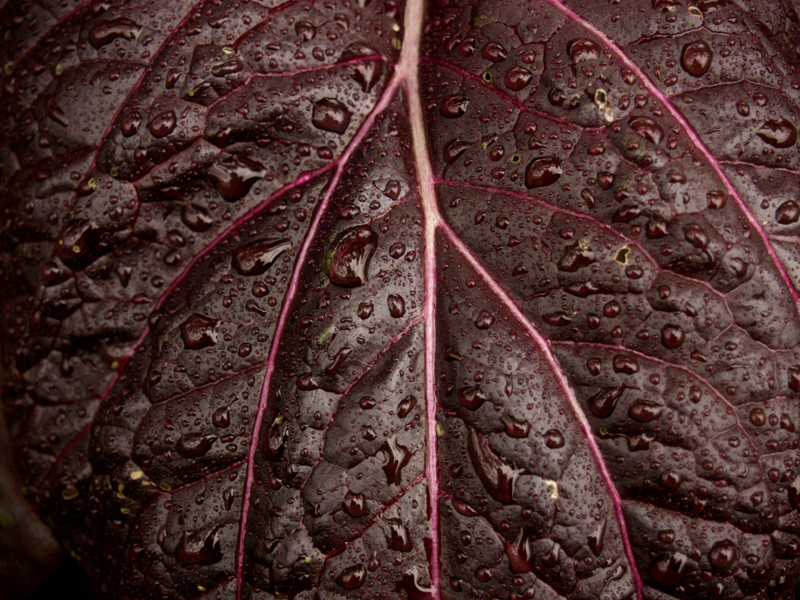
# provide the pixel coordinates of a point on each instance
(453, 149)
(484, 320)
(471, 397)
(107, 31)
(787, 213)
(581, 49)
(397, 250)
(305, 30)
(413, 588)
(647, 128)
(331, 115)
(355, 505)
(625, 364)
(779, 134)
(397, 457)
(364, 310)
(597, 537)
(696, 58)
(497, 477)
(517, 78)
(393, 189)
(603, 403)
(483, 574)
(494, 52)
(398, 537)
(723, 555)
(196, 218)
(347, 262)
(198, 332)
(556, 319)
(365, 72)
(194, 445)
(405, 406)
(515, 428)
(367, 402)
(668, 570)
(235, 175)
(397, 306)
(221, 417)
(758, 417)
(553, 439)
(645, 411)
(542, 171)
(201, 547)
(453, 105)
(162, 124)
(55, 112)
(353, 577)
(672, 336)
(257, 257)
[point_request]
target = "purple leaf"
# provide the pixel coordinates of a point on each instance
(420, 301)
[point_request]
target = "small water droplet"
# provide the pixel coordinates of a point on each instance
(645, 411)
(331, 115)
(198, 332)
(162, 124)
(453, 106)
(397, 306)
(542, 171)
(779, 134)
(194, 445)
(305, 30)
(257, 257)
(201, 547)
(696, 58)
(347, 262)
(553, 439)
(196, 218)
(353, 577)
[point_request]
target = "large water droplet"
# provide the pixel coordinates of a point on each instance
(516, 428)
(355, 505)
(519, 553)
(332, 115)
(257, 257)
(553, 438)
(221, 417)
(517, 78)
(787, 213)
(453, 149)
(494, 52)
(398, 538)
(413, 588)
(353, 577)
(542, 171)
(365, 72)
(162, 124)
(597, 538)
(397, 458)
(471, 397)
(198, 332)
(235, 175)
(647, 128)
(196, 218)
(723, 555)
(307, 31)
(696, 58)
(453, 105)
(497, 477)
(347, 262)
(581, 49)
(672, 336)
(668, 570)
(405, 406)
(107, 31)
(645, 411)
(194, 445)
(603, 403)
(397, 306)
(780, 133)
(484, 320)
(201, 547)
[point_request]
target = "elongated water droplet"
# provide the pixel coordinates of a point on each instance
(413, 588)
(494, 52)
(397, 458)
(398, 538)
(668, 570)
(194, 445)
(235, 175)
(198, 332)
(471, 397)
(196, 218)
(355, 505)
(647, 128)
(221, 417)
(200, 547)
(108, 31)
(453, 149)
(405, 406)
(497, 477)
(779, 134)
(307, 31)
(397, 306)
(162, 124)
(347, 262)
(696, 58)
(331, 115)
(603, 403)
(542, 171)
(353, 577)
(581, 49)
(645, 411)
(365, 72)
(453, 105)
(597, 538)
(257, 257)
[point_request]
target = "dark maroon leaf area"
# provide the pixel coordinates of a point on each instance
(364, 300)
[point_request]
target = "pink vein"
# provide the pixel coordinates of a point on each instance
(291, 293)
(701, 147)
(555, 367)
(409, 69)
